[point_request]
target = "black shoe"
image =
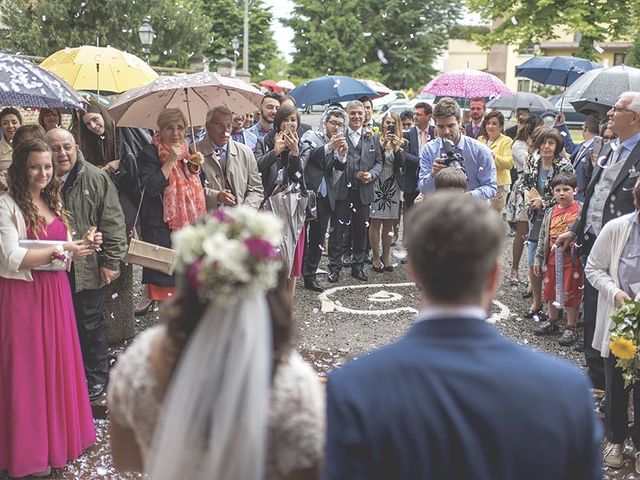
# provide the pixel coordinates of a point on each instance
(138, 312)
(333, 277)
(546, 328)
(96, 391)
(312, 284)
(358, 274)
(527, 294)
(377, 269)
(388, 268)
(368, 258)
(531, 313)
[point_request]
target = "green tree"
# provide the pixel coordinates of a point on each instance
(633, 54)
(394, 41)
(225, 19)
(530, 21)
(43, 27)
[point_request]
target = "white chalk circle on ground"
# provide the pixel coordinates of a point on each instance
(385, 296)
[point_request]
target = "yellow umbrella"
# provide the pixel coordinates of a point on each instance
(99, 69)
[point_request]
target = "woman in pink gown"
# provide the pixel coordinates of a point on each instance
(45, 414)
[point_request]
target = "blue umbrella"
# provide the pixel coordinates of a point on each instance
(561, 71)
(23, 84)
(330, 88)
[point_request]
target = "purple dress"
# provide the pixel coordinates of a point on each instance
(45, 414)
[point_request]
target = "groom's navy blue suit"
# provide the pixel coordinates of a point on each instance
(455, 400)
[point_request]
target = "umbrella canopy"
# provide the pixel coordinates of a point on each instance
(599, 89)
(330, 88)
(23, 84)
(271, 85)
(531, 101)
(99, 69)
(194, 94)
(555, 70)
(286, 84)
(380, 88)
(467, 83)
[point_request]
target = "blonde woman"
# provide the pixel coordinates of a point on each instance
(492, 135)
(385, 208)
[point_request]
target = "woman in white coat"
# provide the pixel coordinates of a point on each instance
(613, 269)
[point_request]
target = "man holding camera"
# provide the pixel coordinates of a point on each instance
(451, 148)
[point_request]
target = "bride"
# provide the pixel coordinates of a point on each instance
(216, 390)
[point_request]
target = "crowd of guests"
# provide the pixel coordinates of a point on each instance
(87, 189)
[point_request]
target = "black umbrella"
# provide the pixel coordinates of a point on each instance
(598, 90)
(532, 101)
(23, 84)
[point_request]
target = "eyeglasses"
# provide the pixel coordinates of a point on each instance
(58, 148)
(335, 124)
(618, 109)
(222, 126)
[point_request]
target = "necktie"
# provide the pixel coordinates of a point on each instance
(474, 129)
(423, 138)
(223, 158)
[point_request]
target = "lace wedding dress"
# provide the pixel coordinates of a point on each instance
(296, 416)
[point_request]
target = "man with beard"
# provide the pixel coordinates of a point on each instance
(476, 111)
(268, 108)
(465, 152)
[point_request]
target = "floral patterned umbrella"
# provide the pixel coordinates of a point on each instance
(23, 84)
(467, 83)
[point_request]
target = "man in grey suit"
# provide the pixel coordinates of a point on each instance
(326, 159)
(230, 170)
(354, 194)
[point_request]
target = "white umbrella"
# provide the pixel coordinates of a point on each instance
(379, 87)
(194, 94)
(286, 84)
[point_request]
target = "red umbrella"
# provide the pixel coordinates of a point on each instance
(271, 85)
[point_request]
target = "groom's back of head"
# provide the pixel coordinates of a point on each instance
(453, 241)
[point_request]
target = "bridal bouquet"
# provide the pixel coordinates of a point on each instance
(625, 338)
(230, 254)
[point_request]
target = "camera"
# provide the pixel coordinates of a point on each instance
(391, 129)
(452, 158)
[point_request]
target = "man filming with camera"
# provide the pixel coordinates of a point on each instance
(452, 149)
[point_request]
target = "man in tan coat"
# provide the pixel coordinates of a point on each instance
(230, 169)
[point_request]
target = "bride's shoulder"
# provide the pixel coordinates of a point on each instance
(296, 381)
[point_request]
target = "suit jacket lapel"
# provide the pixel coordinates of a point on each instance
(632, 160)
(597, 170)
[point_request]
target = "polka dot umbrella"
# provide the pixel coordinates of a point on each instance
(467, 83)
(23, 84)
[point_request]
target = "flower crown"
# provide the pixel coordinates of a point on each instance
(230, 254)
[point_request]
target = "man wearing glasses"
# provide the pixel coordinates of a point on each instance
(230, 170)
(609, 195)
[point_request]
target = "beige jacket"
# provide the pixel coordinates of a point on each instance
(13, 228)
(6, 153)
(243, 178)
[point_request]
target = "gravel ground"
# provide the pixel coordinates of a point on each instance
(348, 320)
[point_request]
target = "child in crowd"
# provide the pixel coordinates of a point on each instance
(557, 220)
(451, 178)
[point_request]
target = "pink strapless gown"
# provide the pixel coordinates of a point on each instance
(45, 414)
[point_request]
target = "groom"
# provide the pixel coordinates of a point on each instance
(454, 399)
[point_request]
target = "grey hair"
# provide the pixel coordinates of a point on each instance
(634, 100)
(354, 103)
(221, 109)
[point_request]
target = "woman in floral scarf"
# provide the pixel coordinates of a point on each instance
(173, 194)
(541, 167)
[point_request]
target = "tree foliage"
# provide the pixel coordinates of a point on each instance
(225, 19)
(43, 27)
(395, 41)
(530, 21)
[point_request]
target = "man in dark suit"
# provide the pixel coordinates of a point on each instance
(608, 196)
(418, 136)
(512, 131)
(369, 122)
(477, 107)
(327, 154)
(453, 399)
(354, 194)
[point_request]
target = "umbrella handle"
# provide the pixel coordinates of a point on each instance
(193, 133)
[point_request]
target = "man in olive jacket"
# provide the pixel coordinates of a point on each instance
(92, 201)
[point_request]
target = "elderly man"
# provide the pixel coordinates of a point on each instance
(230, 170)
(354, 194)
(268, 108)
(327, 154)
(477, 159)
(609, 195)
(92, 201)
(454, 399)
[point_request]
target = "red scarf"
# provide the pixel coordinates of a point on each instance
(183, 199)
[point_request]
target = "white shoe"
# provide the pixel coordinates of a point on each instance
(613, 455)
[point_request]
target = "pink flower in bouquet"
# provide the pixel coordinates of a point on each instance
(220, 215)
(260, 248)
